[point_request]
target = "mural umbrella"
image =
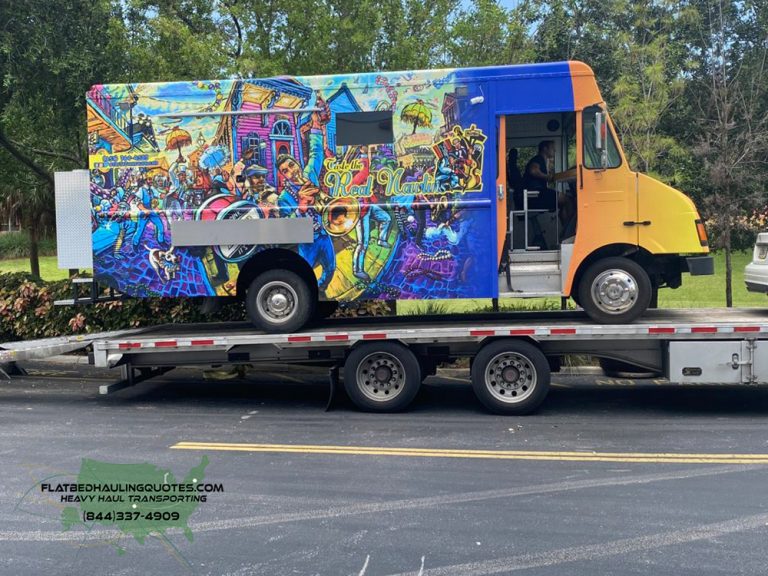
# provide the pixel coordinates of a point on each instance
(417, 114)
(212, 157)
(176, 139)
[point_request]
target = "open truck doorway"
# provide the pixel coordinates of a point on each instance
(539, 162)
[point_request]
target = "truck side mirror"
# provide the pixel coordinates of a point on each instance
(601, 137)
(599, 130)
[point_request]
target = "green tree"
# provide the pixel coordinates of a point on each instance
(48, 59)
(486, 33)
(585, 30)
(730, 95)
(648, 84)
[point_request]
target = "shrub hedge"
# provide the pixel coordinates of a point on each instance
(27, 310)
(16, 245)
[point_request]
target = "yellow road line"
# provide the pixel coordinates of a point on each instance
(637, 457)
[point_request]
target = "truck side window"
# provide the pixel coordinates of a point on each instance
(363, 128)
(591, 153)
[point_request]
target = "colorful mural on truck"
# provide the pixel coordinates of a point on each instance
(405, 219)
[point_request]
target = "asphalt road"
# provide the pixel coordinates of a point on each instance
(610, 477)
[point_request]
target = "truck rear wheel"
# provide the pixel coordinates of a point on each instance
(382, 377)
(279, 301)
(510, 377)
(615, 290)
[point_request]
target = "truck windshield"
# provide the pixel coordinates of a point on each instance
(591, 153)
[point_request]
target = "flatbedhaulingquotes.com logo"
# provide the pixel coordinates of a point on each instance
(135, 501)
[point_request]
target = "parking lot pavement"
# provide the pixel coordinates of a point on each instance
(609, 477)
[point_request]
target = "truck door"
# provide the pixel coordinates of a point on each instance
(607, 191)
(501, 189)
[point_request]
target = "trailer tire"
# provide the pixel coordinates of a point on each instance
(279, 300)
(510, 377)
(615, 290)
(382, 376)
(618, 369)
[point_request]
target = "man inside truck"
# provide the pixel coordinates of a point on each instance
(537, 177)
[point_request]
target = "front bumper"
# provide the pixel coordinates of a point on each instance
(756, 277)
(700, 265)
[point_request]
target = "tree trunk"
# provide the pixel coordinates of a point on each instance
(728, 265)
(34, 250)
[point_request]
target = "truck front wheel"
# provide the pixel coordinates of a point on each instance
(279, 301)
(615, 290)
(510, 377)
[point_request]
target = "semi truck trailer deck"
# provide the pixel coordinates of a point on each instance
(384, 360)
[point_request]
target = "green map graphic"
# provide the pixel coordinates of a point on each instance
(145, 518)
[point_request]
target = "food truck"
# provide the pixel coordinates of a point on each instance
(295, 193)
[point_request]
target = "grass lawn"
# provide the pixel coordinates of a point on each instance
(48, 267)
(696, 292)
(709, 291)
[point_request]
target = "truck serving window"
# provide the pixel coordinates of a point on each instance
(591, 153)
(363, 128)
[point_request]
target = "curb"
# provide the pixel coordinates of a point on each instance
(61, 359)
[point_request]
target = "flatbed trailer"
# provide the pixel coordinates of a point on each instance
(384, 360)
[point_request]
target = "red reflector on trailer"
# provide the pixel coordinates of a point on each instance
(165, 344)
(337, 337)
(299, 338)
(747, 329)
(375, 336)
(661, 330)
(202, 342)
(522, 332)
(126, 345)
(555, 331)
(704, 330)
(482, 332)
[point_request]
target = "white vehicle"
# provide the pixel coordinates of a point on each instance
(756, 272)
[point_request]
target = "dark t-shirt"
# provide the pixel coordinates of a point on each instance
(530, 182)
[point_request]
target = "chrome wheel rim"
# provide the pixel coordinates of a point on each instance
(614, 291)
(276, 301)
(380, 376)
(510, 377)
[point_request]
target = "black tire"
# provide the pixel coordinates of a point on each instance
(510, 377)
(324, 309)
(382, 376)
(279, 282)
(626, 291)
(654, 302)
(618, 369)
(211, 305)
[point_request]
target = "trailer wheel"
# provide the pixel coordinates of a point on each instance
(615, 290)
(618, 369)
(279, 301)
(382, 377)
(510, 377)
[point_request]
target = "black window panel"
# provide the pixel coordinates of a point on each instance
(363, 128)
